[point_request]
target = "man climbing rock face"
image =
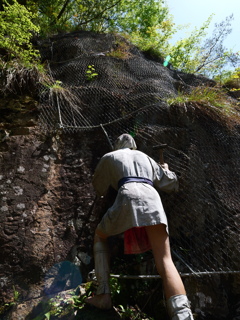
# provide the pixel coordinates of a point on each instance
(138, 212)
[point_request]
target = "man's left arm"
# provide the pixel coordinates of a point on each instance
(101, 181)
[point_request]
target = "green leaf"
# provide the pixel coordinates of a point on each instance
(47, 315)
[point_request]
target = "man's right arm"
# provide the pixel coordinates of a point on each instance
(165, 179)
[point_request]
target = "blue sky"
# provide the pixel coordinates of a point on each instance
(195, 12)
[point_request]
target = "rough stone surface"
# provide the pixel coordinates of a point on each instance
(48, 210)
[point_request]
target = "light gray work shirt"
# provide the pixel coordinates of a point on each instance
(137, 204)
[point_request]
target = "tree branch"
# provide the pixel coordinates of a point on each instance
(99, 14)
(85, 22)
(205, 63)
(62, 10)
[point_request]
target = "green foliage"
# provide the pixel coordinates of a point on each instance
(203, 95)
(16, 30)
(232, 82)
(124, 297)
(10, 304)
(31, 77)
(231, 77)
(132, 313)
(146, 23)
(91, 73)
(209, 56)
(213, 99)
(115, 286)
(223, 76)
(184, 52)
(48, 315)
(15, 294)
(66, 15)
(215, 102)
(121, 51)
(52, 85)
(61, 306)
(119, 292)
(213, 57)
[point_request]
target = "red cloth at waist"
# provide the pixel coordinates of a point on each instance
(136, 241)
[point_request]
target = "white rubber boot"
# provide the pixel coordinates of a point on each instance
(179, 308)
(102, 299)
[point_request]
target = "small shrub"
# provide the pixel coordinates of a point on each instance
(121, 51)
(203, 95)
(91, 73)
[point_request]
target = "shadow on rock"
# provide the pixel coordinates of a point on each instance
(91, 313)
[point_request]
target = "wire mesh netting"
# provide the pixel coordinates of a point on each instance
(101, 82)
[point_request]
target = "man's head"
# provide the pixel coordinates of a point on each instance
(125, 141)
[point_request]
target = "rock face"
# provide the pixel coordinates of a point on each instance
(46, 194)
(48, 153)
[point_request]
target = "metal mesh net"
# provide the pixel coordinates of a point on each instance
(105, 83)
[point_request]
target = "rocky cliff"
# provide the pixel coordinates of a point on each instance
(52, 137)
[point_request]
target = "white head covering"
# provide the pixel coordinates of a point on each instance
(125, 141)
